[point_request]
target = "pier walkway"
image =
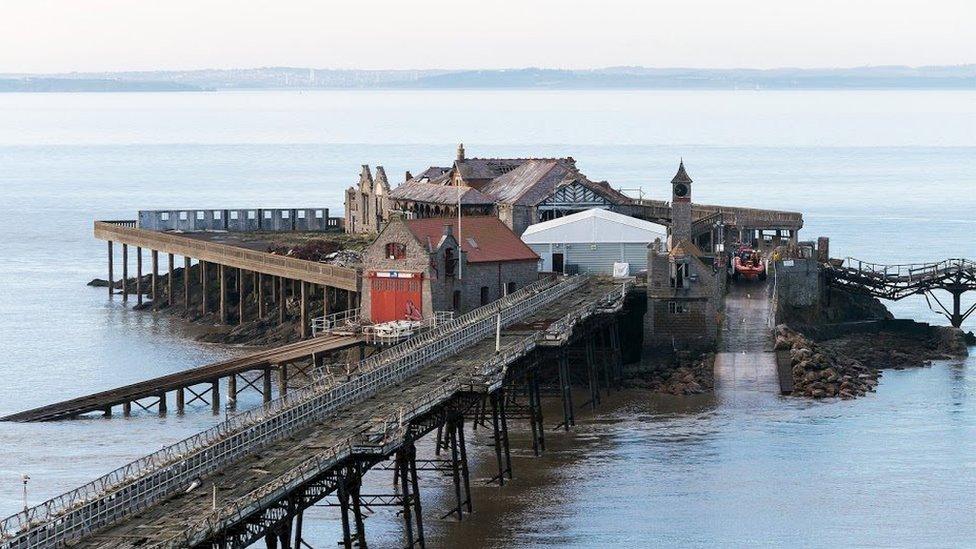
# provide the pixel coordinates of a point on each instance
(186, 382)
(251, 477)
(894, 282)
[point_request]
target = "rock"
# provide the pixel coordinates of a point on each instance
(98, 283)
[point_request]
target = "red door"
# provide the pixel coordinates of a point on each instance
(395, 299)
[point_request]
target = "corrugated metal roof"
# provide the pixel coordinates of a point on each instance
(438, 194)
(493, 240)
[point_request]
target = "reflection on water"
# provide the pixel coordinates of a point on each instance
(893, 469)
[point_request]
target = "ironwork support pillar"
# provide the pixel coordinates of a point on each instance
(240, 296)
(303, 317)
(154, 280)
(222, 291)
(566, 389)
(125, 272)
(186, 283)
(169, 279)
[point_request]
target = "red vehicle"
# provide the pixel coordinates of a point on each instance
(748, 264)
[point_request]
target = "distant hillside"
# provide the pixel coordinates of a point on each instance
(893, 77)
(44, 84)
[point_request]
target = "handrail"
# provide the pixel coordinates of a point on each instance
(143, 482)
(392, 431)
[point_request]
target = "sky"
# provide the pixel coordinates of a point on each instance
(44, 36)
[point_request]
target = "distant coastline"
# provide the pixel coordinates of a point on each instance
(959, 77)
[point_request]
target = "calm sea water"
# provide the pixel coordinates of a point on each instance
(889, 176)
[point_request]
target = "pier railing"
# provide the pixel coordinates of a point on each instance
(390, 431)
(148, 480)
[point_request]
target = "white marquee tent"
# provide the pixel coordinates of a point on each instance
(593, 241)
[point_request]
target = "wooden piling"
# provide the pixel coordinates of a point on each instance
(162, 403)
(204, 290)
(125, 272)
(261, 305)
(153, 282)
(232, 391)
(303, 329)
(180, 400)
(222, 290)
(169, 280)
(283, 379)
(111, 267)
(126, 409)
(139, 275)
(281, 300)
(240, 296)
(215, 396)
(267, 385)
(186, 283)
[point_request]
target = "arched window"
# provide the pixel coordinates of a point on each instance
(395, 250)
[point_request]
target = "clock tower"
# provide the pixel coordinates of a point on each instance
(680, 205)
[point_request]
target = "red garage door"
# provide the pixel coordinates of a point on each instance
(395, 298)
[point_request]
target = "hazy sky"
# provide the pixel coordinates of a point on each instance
(95, 35)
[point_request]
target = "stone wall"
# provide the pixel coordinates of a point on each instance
(682, 318)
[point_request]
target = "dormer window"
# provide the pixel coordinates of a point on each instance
(395, 250)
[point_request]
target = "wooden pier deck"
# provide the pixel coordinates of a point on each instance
(210, 373)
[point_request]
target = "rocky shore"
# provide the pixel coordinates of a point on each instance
(850, 366)
(683, 375)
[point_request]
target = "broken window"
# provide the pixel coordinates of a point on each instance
(395, 250)
(677, 307)
(679, 275)
(450, 263)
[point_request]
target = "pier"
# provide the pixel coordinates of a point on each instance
(251, 477)
(894, 282)
(266, 275)
(254, 370)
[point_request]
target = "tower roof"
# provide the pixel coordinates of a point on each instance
(682, 175)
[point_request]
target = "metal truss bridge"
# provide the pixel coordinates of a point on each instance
(894, 282)
(251, 477)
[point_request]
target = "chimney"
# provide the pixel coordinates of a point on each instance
(460, 151)
(408, 177)
(448, 230)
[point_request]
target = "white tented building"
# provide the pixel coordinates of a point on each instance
(592, 242)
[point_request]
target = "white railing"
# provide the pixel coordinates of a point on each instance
(344, 322)
(391, 333)
(148, 480)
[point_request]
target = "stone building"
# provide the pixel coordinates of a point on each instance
(685, 286)
(368, 203)
(519, 191)
(414, 267)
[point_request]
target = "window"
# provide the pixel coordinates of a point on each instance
(251, 214)
(457, 300)
(164, 216)
(395, 250)
(676, 308)
(216, 215)
(319, 214)
(267, 214)
(284, 214)
(449, 263)
(235, 215)
(301, 214)
(182, 216)
(509, 288)
(485, 298)
(679, 275)
(200, 215)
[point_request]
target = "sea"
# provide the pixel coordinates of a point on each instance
(889, 176)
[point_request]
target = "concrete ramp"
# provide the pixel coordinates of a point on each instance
(745, 377)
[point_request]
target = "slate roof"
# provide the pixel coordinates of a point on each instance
(435, 193)
(433, 174)
(483, 238)
(682, 175)
(486, 168)
(528, 184)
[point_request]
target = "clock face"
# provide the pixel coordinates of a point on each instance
(681, 190)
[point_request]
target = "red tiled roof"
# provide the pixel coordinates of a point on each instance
(483, 238)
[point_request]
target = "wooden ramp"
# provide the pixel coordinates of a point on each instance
(210, 373)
